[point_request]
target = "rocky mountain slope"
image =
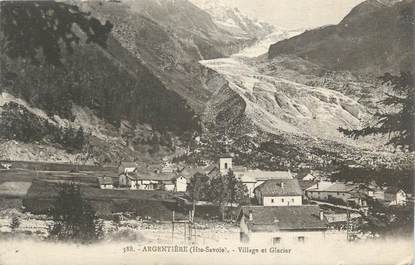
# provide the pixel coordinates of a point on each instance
(170, 37)
(145, 88)
(170, 69)
(277, 105)
(284, 113)
(306, 87)
(93, 90)
(375, 37)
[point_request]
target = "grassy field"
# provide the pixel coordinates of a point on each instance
(35, 189)
(14, 189)
(26, 175)
(42, 188)
(155, 204)
(55, 166)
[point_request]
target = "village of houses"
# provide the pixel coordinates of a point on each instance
(285, 206)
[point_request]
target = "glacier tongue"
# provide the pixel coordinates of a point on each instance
(278, 105)
(262, 46)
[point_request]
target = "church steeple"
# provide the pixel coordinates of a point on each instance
(225, 163)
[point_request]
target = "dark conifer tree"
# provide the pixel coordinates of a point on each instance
(32, 26)
(399, 124)
(73, 218)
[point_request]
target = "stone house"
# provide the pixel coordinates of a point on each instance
(105, 183)
(280, 225)
(279, 192)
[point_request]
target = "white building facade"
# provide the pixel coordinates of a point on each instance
(282, 201)
(262, 225)
(282, 192)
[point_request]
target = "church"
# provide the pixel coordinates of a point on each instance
(251, 178)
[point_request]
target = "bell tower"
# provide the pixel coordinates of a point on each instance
(225, 164)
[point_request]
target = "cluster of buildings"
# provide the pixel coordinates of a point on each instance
(6, 166)
(355, 194)
(132, 177)
(170, 178)
(278, 214)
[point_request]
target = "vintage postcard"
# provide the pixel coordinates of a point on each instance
(207, 132)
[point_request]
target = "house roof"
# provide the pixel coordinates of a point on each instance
(239, 169)
(280, 187)
(168, 182)
(168, 168)
(309, 176)
(305, 184)
(124, 165)
(105, 181)
(189, 172)
(266, 218)
(260, 175)
(246, 178)
(358, 195)
(149, 175)
(392, 190)
(333, 187)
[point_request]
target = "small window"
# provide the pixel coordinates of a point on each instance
(276, 240)
(292, 200)
(226, 165)
(272, 200)
(300, 239)
(282, 200)
(338, 193)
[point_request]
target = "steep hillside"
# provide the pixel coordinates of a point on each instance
(93, 90)
(170, 37)
(128, 101)
(376, 37)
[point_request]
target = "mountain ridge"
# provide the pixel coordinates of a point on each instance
(371, 39)
(134, 89)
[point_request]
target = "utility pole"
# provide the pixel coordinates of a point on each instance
(172, 230)
(350, 234)
(348, 223)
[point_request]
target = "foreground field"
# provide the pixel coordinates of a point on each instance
(47, 175)
(155, 204)
(14, 188)
(35, 185)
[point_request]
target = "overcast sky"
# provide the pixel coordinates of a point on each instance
(293, 14)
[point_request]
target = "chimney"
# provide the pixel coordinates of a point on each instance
(321, 215)
(251, 217)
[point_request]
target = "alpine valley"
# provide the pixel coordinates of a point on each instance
(188, 79)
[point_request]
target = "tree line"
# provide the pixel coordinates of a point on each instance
(50, 65)
(17, 123)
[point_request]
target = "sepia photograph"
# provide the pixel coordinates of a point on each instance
(217, 132)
